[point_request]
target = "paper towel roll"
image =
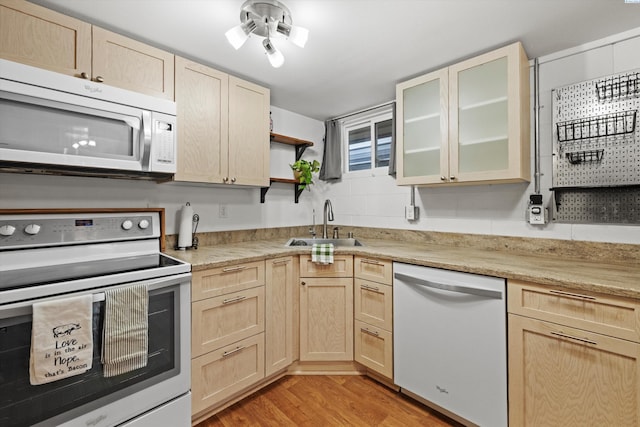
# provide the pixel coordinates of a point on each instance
(185, 234)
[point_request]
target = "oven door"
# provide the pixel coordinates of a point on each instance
(90, 398)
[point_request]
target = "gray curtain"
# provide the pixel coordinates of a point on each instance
(392, 154)
(331, 168)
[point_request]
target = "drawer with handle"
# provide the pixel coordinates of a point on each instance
(377, 270)
(373, 348)
(373, 303)
(218, 375)
(222, 280)
(604, 314)
(219, 321)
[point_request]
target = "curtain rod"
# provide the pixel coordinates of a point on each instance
(344, 116)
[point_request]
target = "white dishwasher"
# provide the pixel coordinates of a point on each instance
(450, 342)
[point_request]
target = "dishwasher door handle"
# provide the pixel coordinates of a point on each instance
(488, 293)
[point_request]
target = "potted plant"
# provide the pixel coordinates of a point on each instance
(302, 171)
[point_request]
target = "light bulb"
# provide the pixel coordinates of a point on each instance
(240, 33)
(299, 36)
(275, 56)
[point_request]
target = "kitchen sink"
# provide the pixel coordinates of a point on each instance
(304, 241)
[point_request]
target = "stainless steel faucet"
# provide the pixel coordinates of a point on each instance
(328, 216)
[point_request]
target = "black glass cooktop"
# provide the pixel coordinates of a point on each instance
(36, 276)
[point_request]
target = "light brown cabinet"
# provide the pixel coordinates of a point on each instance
(373, 312)
(573, 358)
(223, 320)
(468, 123)
(224, 280)
(227, 333)
(43, 38)
(36, 36)
(279, 309)
(220, 374)
(129, 64)
(326, 309)
(223, 127)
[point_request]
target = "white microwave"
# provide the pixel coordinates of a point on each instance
(54, 123)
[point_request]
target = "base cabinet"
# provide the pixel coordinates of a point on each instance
(220, 374)
(562, 376)
(227, 333)
(373, 312)
(374, 348)
(326, 310)
(279, 309)
(574, 358)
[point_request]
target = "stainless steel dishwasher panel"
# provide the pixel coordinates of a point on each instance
(450, 342)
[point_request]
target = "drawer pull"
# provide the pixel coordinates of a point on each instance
(235, 299)
(370, 288)
(230, 352)
(572, 295)
(367, 331)
(584, 340)
(283, 261)
(370, 261)
(232, 269)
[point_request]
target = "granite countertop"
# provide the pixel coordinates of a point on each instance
(613, 278)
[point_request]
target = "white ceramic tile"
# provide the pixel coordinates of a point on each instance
(386, 205)
(607, 233)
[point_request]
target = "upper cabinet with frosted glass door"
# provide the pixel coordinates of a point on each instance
(422, 141)
(486, 106)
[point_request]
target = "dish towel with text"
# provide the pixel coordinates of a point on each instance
(61, 339)
(125, 337)
(322, 253)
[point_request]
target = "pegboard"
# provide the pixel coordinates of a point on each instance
(598, 206)
(596, 150)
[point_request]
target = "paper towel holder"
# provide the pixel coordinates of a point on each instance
(195, 220)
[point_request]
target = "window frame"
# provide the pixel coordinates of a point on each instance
(359, 121)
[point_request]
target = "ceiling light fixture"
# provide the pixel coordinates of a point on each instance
(266, 18)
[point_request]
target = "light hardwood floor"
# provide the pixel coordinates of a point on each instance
(318, 400)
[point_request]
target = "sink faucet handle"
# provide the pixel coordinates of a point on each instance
(335, 233)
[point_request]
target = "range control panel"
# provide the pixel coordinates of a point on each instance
(24, 231)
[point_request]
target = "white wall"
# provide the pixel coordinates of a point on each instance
(374, 200)
(370, 199)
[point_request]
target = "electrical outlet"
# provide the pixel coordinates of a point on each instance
(411, 213)
(222, 212)
(537, 215)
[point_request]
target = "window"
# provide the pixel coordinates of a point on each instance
(367, 140)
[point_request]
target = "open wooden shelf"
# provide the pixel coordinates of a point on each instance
(300, 145)
(283, 139)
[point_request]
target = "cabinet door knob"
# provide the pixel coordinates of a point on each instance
(443, 178)
(233, 179)
(99, 79)
(84, 75)
(303, 283)
(225, 179)
(452, 178)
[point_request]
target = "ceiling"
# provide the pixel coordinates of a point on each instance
(357, 49)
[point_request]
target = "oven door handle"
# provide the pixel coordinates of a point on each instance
(25, 308)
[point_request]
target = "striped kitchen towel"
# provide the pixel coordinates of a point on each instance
(322, 253)
(125, 337)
